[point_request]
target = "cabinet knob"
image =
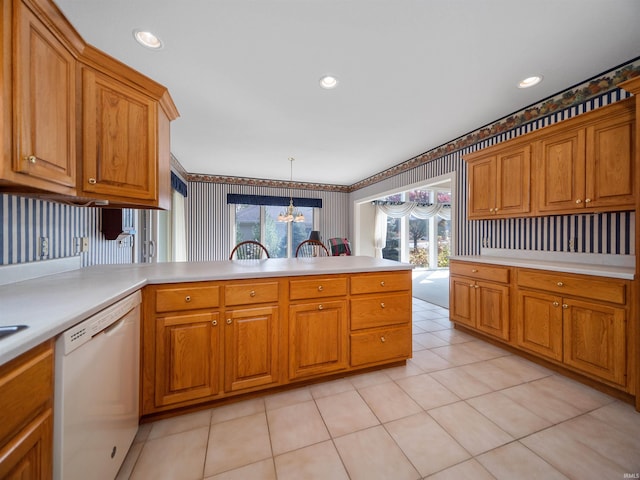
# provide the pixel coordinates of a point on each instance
(228, 321)
(31, 159)
(320, 307)
(587, 200)
(474, 270)
(564, 305)
(495, 210)
(214, 323)
(555, 304)
(560, 284)
(476, 286)
(382, 283)
(320, 288)
(578, 201)
(471, 285)
(252, 293)
(382, 304)
(491, 210)
(187, 298)
(382, 339)
(92, 181)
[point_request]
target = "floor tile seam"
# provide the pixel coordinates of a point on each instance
(476, 457)
(444, 428)
(415, 467)
(472, 396)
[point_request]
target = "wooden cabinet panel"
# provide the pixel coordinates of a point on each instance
(561, 170)
(480, 271)
(251, 347)
(26, 429)
(44, 88)
(318, 338)
(492, 309)
(187, 357)
(595, 340)
(380, 282)
(461, 294)
(610, 173)
(380, 345)
(30, 454)
(539, 324)
(608, 290)
(380, 310)
(119, 139)
(187, 298)
(482, 179)
(320, 287)
(251, 293)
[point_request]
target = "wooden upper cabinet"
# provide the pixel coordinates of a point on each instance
(590, 165)
(119, 139)
(39, 95)
(499, 182)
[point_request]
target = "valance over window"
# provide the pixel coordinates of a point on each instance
(237, 198)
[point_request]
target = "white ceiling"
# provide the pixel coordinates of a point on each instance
(413, 74)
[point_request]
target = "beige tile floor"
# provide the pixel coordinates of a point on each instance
(460, 409)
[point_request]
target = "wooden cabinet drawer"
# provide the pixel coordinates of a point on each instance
(480, 271)
(380, 345)
(26, 387)
(594, 288)
(187, 298)
(380, 282)
(250, 293)
(317, 288)
(380, 310)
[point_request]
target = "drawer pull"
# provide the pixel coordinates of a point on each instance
(474, 270)
(228, 321)
(496, 210)
(555, 304)
(578, 201)
(471, 285)
(320, 307)
(382, 283)
(382, 339)
(564, 305)
(252, 293)
(214, 323)
(560, 284)
(187, 298)
(491, 210)
(32, 159)
(382, 304)
(320, 288)
(587, 200)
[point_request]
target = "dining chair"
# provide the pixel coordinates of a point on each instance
(312, 248)
(249, 250)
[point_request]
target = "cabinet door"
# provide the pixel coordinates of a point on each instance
(594, 339)
(187, 357)
(561, 171)
(251, 347)
(539, 324)
(610, 168)
(29, 454)
(461, 294)
(318, 336)
(492, 309)
(482, 184)
(45, 104)
(119, 139)
(513, 182)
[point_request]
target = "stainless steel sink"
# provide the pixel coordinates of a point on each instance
(10, 330)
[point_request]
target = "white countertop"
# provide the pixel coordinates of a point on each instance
(613, 266)
(51, 304)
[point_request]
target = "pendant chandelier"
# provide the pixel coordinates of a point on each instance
(291, 214)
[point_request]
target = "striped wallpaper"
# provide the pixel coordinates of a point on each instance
(610, 233)
(25, 220)
(209, 216)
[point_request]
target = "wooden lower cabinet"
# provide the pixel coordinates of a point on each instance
(318, 338)
(187, 356)
(251, 347)
(206, 341)
(26, 429)
(539, 324)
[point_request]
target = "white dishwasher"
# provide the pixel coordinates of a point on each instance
(96, 392)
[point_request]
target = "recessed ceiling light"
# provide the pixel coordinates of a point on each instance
(147, 39)
(328, 82)
(530, 81)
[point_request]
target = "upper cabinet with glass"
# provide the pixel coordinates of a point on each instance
(64, 104)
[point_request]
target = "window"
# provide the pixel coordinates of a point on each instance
(259, 222)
